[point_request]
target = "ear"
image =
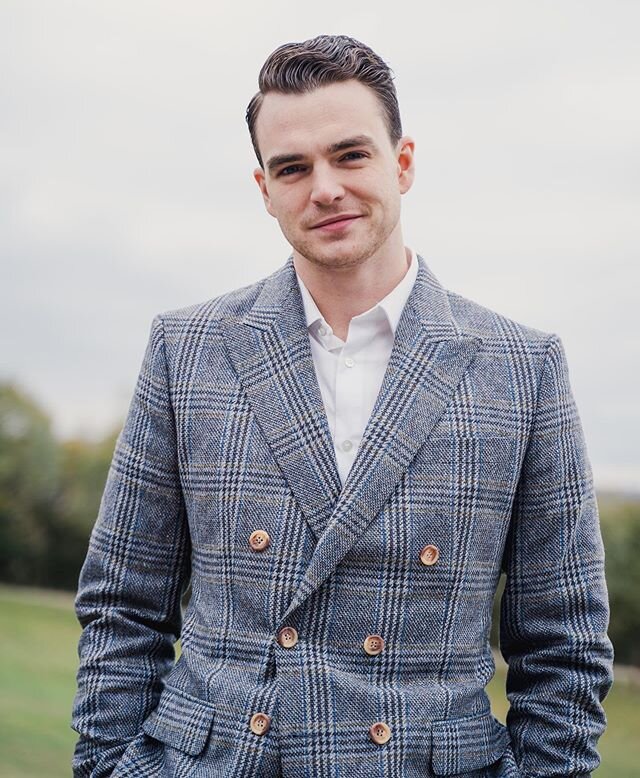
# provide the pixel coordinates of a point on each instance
(261, 180)
(405, 163)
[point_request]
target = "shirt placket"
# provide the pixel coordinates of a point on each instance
(349, 378)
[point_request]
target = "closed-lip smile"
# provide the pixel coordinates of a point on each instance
(341, 217)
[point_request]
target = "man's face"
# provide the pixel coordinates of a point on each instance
(327, 155)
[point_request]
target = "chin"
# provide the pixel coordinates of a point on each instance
(341, 258)
(336, 253)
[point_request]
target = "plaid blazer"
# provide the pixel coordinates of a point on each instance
(343, 632)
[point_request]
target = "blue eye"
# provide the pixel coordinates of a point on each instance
(293, 168)
(348, 157)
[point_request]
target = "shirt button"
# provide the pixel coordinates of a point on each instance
(322, 330)
(429, 555)
(347, 445)
(287, 637)
(349, 362)
(260, 723)
(379, 732)
(259, 539)
(373, 644)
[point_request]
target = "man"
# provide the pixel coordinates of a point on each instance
(341, 459)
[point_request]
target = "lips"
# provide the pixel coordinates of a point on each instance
(337, 220)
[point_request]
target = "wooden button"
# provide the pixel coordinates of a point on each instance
(429, 555)
(259, 539)
(260, 723)
(373, 644)
(379, 732)
(287, 637)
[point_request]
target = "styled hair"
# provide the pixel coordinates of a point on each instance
(295, 68)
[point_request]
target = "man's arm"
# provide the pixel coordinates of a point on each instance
(136, 569)
(554, 610)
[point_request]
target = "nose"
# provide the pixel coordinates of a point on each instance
(326, 186)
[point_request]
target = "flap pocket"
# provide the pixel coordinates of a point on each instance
(469, 743)
(180, 720)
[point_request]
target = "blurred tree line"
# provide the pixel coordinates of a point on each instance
(50, 493)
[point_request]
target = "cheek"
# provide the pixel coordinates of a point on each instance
(376, 185)
(289, 204)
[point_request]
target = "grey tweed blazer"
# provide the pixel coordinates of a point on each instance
(343, 632)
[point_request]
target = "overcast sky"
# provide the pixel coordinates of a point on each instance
(126, 182)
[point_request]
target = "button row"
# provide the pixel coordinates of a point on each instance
(259, 540)
(378, 732)
(373, 644)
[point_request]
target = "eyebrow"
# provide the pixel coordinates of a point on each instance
(347, 143)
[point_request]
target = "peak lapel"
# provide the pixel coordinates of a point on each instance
(270, 350)
(429, 358)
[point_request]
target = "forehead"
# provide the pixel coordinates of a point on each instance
(302, 122)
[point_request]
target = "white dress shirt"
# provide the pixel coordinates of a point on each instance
(350, 372)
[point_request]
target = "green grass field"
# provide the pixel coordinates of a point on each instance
(38, 640)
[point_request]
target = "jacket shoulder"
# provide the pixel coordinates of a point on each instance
(233, 303)
(495, 328)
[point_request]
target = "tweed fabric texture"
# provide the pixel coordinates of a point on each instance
(474, 445)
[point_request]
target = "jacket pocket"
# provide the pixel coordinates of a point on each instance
(466, 744)
(180, 721)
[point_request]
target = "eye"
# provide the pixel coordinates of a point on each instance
(354, 155)
(288, 171)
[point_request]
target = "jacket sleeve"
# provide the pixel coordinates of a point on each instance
(554, 610)
(136, 569)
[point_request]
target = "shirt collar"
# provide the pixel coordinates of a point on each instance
(392, 305)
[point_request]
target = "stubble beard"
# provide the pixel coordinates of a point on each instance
(345, 256)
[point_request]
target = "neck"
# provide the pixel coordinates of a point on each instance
(342, 293)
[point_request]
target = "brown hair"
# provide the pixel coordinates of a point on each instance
(294, 68)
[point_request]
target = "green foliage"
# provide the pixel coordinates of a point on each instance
(29, 472)
(50, 493)
(621, 534)
(83, 473)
